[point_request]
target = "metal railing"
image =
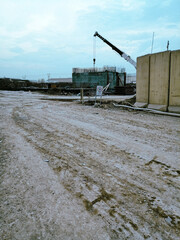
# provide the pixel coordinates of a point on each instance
(87, 70)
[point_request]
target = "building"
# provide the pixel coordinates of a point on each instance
(59, 82)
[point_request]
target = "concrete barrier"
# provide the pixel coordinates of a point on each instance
(158, 81)
(174, 94)
(142, 85)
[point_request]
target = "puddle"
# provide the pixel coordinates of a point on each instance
(168, 220)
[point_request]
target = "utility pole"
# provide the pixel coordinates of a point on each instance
(152, 43)
(48, 75)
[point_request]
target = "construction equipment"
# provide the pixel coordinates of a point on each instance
(122, 54)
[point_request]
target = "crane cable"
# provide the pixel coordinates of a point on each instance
(94, 51)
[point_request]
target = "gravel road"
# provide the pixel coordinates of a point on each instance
(71, 172)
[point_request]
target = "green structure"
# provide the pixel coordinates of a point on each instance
(90, 78)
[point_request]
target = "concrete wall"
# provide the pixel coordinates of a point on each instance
(158, 81)
(174, 96)
(142, 82)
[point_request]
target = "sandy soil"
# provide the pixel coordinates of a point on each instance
(70, 171)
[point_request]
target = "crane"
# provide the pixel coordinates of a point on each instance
(122, 54)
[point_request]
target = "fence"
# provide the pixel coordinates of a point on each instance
(87, 70)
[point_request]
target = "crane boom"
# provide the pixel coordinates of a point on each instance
(122, 54)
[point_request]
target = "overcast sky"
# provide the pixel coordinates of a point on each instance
(38, 37)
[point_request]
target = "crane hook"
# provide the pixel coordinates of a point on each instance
(94, 51)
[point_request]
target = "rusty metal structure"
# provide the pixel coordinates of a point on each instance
(90, 78)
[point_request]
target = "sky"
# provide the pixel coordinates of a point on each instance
(41, 38)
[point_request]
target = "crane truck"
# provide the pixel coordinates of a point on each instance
(121, 53)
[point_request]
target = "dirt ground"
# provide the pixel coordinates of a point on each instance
(70, 171)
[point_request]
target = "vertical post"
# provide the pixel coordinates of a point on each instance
(82, 95)
(152, 43)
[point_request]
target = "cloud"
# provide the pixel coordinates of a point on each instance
(6, 53)
(41, 23)
(45, 30)
(131, 5)
(28, 47)
(61, 16)
(162, 28)
(166, 3)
